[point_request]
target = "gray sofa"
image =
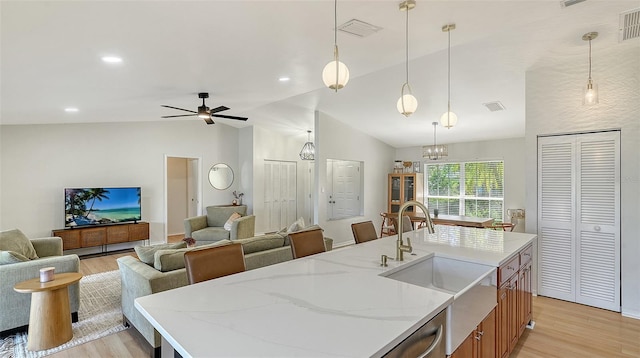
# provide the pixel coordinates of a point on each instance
(168, 272)
(207, 229)
(14, 306)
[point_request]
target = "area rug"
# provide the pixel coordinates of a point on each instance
(100, 314)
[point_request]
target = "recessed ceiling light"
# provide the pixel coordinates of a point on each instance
(111, 59)
(71, 109)
(284, 79)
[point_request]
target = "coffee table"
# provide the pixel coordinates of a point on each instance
(50, 316)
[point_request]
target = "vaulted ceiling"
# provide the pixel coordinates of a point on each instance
(237, 51)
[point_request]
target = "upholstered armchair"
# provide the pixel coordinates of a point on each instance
(207, 229)
(16, 267)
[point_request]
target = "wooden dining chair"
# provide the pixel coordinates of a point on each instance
(502, 226)
(407, 225)
(306, 243)
(213, 262)
(363, 231)
(387, 227)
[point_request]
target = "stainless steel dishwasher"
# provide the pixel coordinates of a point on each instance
(427, 341)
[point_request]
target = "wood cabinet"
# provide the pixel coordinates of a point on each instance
(403, 188)
(102, 235)
(481, 343)
(514, 309)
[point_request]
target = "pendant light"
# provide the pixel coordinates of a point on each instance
(449, 119)
(591, 90)
(335, 74)
(435, 151)
(407, 103)
(308, 149)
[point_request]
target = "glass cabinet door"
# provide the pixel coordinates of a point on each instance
(409, 192)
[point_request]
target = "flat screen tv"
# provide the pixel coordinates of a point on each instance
(101, 206)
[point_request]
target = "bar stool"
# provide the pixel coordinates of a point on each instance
(213, 262)
(306, 243)
(364, 231)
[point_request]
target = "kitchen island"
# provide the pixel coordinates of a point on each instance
(332, 304)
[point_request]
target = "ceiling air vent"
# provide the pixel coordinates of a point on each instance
(494, 106)
(567, 3)
(629, 25)
(358, 28)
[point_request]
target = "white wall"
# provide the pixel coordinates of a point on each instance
(336, 140)
(511, 151)
(38, 161)
(554, 105)
(176, 195)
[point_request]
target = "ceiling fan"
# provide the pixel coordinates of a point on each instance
(204, 112)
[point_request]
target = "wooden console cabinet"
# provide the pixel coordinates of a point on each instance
(102, 235)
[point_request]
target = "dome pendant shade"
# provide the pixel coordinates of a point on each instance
(335, 74)
(448, 120)
(407, 104)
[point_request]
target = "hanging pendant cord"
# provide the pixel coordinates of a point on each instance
(589, 58)
(335, 23)
(449, 78)
(406, 36)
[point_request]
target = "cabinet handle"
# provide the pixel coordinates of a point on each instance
(479, 336)
(434, 344)
(510, 268)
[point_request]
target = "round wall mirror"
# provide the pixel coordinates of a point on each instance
(220, 176)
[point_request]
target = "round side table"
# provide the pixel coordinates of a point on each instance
(50, 316)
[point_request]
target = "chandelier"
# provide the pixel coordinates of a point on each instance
(308, 151)
(435, 151)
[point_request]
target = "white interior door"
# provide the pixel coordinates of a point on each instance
(280, 194)
(579, 218)
(346, 189)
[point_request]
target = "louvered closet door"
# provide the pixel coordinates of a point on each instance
(598, 220)
(579, 218)
(556, 198)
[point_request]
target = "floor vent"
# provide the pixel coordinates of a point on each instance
(358, 28)
(494, 106)
(629, 25)
(567, 3)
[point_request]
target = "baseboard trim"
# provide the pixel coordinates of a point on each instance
(631, 314)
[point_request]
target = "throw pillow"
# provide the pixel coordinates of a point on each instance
(234, 216)
(10, 257)
(146, 253)
(14, 240)
(297, 225)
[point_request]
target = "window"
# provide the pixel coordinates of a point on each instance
(470, 188)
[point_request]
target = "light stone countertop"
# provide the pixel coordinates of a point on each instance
(334, 304)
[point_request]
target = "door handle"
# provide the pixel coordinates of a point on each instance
(434, 344)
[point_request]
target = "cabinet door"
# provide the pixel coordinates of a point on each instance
(395, 190)
(466, 349)
(525, 295)
(503, 321)
(409, 190)
(93, 237)
(139, 231)
(117, 234)
(513, 325)
(70, 238)
(486, 335)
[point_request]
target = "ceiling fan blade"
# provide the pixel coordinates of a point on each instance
(180, 109)
(180, 115)
(229, 117)
(219, 109)
(209, 120)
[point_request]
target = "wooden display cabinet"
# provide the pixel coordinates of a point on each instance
(93, 236)
(403, 188)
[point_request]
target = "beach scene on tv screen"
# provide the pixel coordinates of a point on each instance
(101, 206)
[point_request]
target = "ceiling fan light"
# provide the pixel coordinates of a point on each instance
(335, 77)
(448, 119)
(407, 104)
(203, 112)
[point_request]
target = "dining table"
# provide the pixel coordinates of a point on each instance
(457, 220)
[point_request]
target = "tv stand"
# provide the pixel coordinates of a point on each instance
(92, 236)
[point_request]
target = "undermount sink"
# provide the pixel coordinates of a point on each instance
(473, 286)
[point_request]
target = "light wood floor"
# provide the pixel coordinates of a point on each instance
(562, 329)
